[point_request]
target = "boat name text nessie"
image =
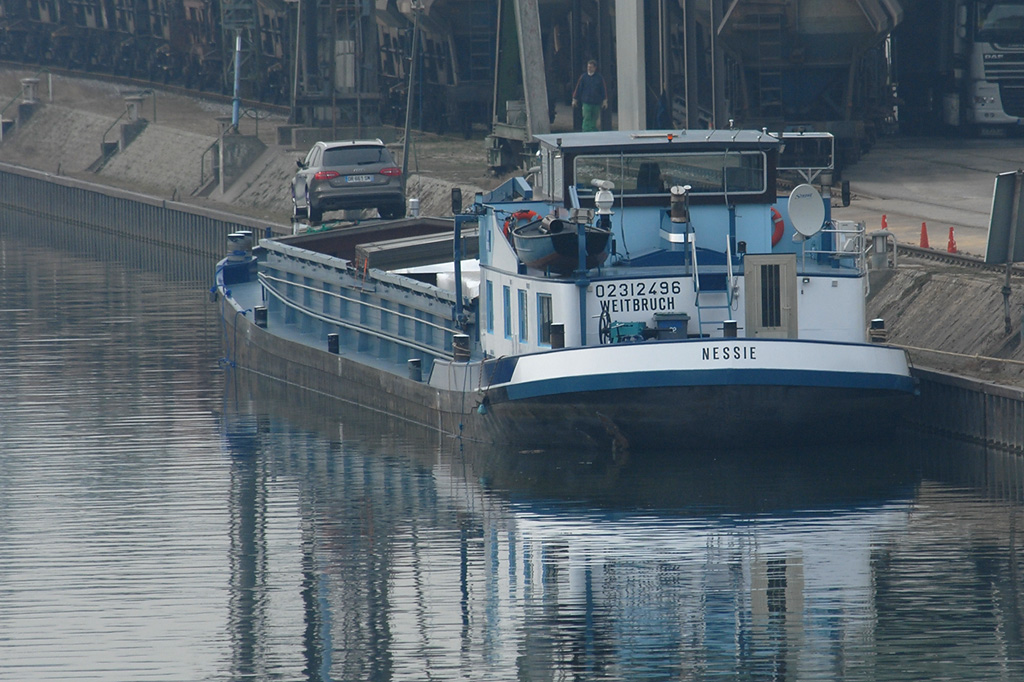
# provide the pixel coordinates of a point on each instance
(729, 353)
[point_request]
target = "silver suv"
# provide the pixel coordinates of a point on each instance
(351, 174)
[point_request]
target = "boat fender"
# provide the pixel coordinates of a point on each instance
(779, 226)
(513, 220)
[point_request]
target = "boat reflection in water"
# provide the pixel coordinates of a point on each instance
(419, 557)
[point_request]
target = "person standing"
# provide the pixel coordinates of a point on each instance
(592, 93)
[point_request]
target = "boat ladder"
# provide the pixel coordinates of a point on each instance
(714, 294)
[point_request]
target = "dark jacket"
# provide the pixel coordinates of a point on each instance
(590, 89)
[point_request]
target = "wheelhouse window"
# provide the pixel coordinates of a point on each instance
(507, 296)
(742, 172)
(551, 173)
(544, 319)
(489, 295)
(999, 22)
(524, 318)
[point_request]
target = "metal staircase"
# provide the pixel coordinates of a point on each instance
(714, 294)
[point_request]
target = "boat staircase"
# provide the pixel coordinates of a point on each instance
(713, 293)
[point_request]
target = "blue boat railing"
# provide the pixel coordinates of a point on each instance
(270, 283)
(847, 245)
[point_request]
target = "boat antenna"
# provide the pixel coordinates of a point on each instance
(604, 200)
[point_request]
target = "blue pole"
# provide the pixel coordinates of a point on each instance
(236, 100)
(457, 255)
(581, 274)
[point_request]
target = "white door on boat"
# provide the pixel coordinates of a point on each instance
(771, 295)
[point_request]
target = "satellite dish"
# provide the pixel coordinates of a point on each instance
(806, 210)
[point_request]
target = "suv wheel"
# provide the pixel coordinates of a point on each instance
(315, 213)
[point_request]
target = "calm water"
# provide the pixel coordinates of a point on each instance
(163, 518)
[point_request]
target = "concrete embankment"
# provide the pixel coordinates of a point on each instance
(83, 129)
(950, 318)
(951, 321)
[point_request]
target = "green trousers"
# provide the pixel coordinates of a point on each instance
(591, 117)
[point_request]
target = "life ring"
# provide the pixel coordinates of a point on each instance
(780, 226)
(513, 220)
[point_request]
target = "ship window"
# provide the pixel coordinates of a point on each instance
(556, 173)
(524, 321)
(489, 295)
(544, 319)
(655, 174)
(507, 295)
(549, 183)
(999, 21)
(771, 295)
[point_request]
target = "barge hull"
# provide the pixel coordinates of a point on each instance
(694, 417)
(699, 418)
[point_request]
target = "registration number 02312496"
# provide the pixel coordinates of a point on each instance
(638, 288)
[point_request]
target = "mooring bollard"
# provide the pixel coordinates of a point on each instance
(460, 347)
(878, 333)
(557, 335)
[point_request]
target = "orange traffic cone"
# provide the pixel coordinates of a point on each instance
(924, 236)
(885, 223)
(951, 245)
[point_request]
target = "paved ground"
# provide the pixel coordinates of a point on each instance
(940, 182)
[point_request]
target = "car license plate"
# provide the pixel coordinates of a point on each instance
(358, 178)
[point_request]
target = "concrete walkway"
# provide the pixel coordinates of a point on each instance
(941, 182)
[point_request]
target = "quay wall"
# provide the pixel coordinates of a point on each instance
(114, 223)
(952, 320)
(970, 409)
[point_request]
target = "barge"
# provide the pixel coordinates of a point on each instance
(700, 309)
